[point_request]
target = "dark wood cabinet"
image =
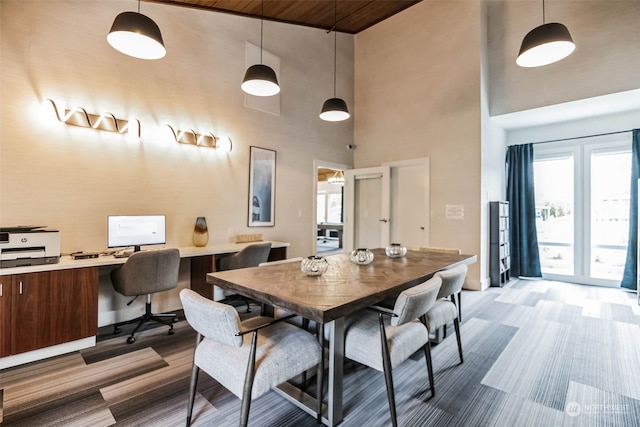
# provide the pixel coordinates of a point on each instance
(47, 308)
(500, 252)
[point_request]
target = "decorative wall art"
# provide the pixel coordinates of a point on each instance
(262, 187)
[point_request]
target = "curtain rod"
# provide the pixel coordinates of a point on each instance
(582, 137)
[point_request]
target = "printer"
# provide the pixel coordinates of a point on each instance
(24, 245)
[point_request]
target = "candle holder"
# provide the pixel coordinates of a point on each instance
(361, 256)
(395, 250)
(314, 265)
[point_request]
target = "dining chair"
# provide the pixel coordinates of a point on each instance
(382, 339)
(276, 352)
(249, 256)
(453, 251)
(445, 309)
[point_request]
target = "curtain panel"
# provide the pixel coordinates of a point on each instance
(631, 265)
(525, 258)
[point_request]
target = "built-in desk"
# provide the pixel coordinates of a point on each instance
(48, 310)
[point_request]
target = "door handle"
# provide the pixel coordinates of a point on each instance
(384, 219)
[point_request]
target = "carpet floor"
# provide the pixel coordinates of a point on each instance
(536, 353)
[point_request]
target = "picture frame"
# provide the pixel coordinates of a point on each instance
(262, 187)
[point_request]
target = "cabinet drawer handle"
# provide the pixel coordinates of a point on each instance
(21, 287)
(0, 289)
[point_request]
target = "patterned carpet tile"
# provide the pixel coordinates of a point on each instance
(536, 364)
(591, 406)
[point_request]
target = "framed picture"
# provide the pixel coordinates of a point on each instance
(262, 187)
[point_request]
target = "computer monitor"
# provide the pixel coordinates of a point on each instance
(135, 230)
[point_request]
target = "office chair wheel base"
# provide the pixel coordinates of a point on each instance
(131, 340)
(175, 320)
(116, 331)
(171, 332)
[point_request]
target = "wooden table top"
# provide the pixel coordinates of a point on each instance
(344, 288)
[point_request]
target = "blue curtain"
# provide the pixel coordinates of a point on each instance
(525, 258)
(631, 264)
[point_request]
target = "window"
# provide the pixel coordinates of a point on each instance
(582, 208)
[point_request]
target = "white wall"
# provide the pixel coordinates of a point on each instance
(417, 94)
(71, 178)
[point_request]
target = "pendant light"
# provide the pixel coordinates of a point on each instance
(334, 109)
(545, 44)
(260, 79)
(136, 35)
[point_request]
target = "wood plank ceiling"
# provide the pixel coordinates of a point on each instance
(353, 16)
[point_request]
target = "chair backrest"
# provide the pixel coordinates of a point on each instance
(415, 301)
(442, 250)
(250, 256)
(214, 320)
(452, 280)
(147, 272)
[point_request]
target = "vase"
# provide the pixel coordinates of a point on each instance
(200, 232)
(395, 250)
(314, 265)
(361, 256)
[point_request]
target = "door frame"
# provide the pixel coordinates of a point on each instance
(314, 208)
(350, 177)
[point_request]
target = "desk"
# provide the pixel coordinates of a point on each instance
(58, 312)
(343, 289)
(333, 226)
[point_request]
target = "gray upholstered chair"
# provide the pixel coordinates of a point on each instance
(445, 309)
(145, 273)
(249, 256)
(382, 338)
(248, 367)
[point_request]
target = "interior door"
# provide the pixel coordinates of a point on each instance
(410, 202)
(367, 208)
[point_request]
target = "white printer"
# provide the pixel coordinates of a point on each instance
(28, 245)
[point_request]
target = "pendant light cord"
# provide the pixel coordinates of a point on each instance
(261, 28)
(543, 17)
(138, 6)
(335, 44)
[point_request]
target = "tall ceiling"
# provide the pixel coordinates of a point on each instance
(351, 16)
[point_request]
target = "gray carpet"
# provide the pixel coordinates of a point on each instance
(536, 354)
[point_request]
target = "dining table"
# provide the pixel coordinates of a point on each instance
(345, 288)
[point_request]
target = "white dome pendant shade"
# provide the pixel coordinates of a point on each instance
(260, 79)
(136, 35)
(545, 45)
(334, 109)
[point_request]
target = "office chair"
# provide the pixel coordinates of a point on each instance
(248, 367)
(147, 272)
(250, 256)
(445, 309)
(382, 339)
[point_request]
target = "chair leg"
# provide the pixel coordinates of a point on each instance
(248, 382)
(427, 356)
(193, 384)
(456, 325)
(388, 376)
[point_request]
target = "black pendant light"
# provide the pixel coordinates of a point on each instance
(545, 44)
(260, 79)
(136, 35)
(334, 109)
